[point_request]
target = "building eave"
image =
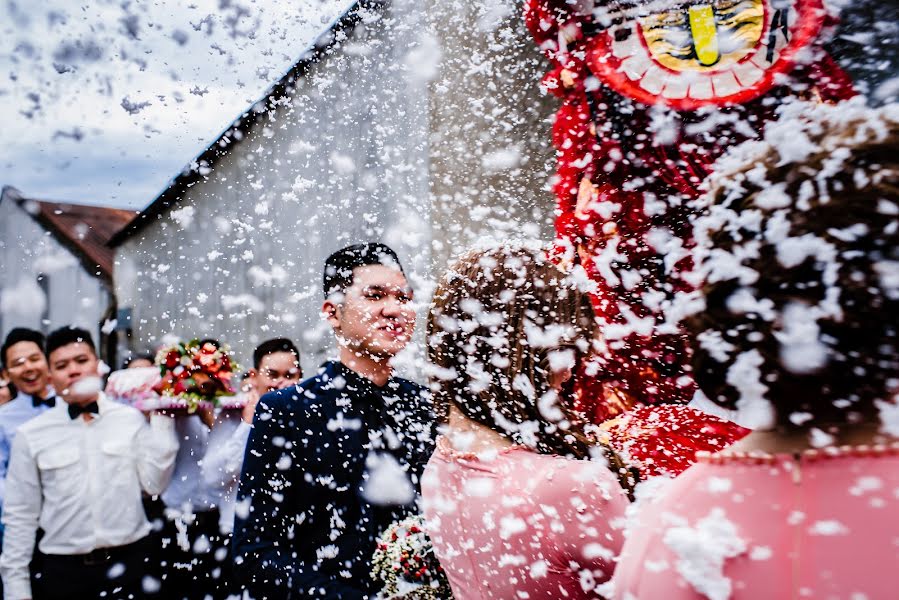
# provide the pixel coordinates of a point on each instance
(90, 250)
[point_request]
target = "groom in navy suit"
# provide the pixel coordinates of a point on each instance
(334, 460)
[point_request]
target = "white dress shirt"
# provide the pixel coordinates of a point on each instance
(81, 481)
(13, 414)
(223, 462)
(186, 493)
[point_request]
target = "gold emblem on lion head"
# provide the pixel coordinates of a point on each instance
(691, 53)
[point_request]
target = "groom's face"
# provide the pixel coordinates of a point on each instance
(375, 317)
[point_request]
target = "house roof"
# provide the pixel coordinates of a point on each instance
(324, 44)
(83, 230)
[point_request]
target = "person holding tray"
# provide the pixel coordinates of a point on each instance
(276, 365)
(77, 471)
(195, 379)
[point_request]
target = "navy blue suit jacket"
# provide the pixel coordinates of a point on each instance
(303, 528)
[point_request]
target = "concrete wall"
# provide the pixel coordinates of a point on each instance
(67, 294)
(491, 154)
(425, 129)
(342, 160)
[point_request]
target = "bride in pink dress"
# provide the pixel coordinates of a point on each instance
(513, 508)
(799, 335)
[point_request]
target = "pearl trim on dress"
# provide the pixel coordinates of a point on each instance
(812, 454)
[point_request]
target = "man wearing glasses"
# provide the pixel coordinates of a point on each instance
(276, 365)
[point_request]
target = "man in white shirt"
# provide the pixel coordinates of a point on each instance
(77, 471)
(276, 365)
(25, 366)
(200, 499)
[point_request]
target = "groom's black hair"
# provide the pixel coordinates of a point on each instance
(338, 275)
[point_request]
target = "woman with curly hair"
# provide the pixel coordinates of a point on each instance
(798, 333)
(513, 508)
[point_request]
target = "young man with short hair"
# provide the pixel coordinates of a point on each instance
(276, 365)
(77, 471)
(24, 366)
(333, 461)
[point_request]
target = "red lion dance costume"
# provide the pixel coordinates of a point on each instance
(653, 92)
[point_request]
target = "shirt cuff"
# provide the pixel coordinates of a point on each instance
(17, 587)
(243, 428)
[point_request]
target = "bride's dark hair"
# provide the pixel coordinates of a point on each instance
(800, 259)
(499, 318)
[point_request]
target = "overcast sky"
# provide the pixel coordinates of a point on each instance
(104, 102)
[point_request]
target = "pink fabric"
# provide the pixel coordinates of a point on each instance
(522, 523)
(817, 527)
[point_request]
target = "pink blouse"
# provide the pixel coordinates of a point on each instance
(822, 525)
(521, 524)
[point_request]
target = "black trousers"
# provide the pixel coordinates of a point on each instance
(204, 569)
(119, 573)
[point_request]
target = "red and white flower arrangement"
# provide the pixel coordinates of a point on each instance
(405, 565)
(195, 373)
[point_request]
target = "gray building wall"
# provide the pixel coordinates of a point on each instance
(425, 129)
(491, 154)
(42, 284)
(343, 159)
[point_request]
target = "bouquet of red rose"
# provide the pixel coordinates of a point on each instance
(194, 374)
(405, 565)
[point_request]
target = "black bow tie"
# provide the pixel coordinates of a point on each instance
(51, 401)
(76, 410)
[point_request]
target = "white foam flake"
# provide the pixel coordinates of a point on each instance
(753, 409)
(386, 482)
(865, 484)
(150, 585)
(713, 342)
(539, 569)
(828, 527)
(510, 525)
(115, 571)
(702, 552)
(819, 438)
(479, 487)
(719, 485)
(801, 348)
(889, 417)
(773, 197)
(184, 216)
(87, 386)
(888, 273)
(25, 300)
(596, 550)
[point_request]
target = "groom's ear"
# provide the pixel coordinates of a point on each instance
(331, 311)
